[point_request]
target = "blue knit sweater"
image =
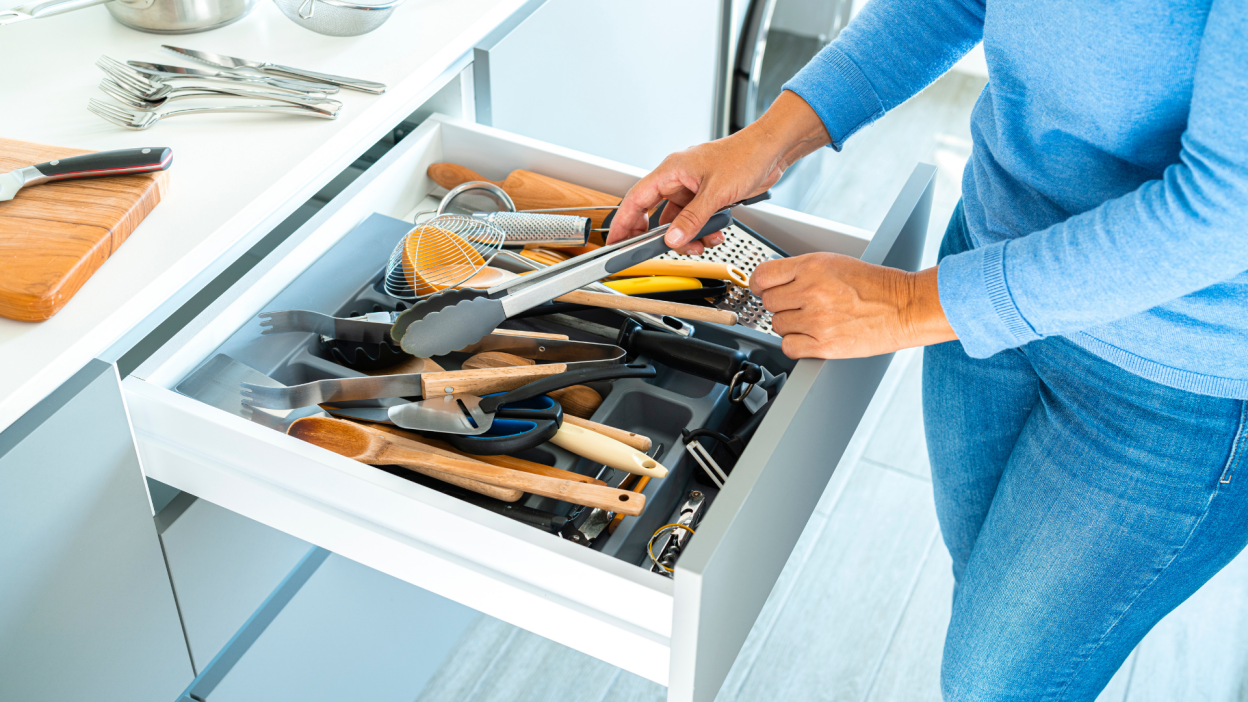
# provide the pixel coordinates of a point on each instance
(1107, 190)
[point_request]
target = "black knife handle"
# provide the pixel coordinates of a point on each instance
(108, 163)
(694, 356)
(563, 380)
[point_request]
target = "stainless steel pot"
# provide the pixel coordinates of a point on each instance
(156, 16)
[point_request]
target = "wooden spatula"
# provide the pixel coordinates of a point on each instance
(377, 448)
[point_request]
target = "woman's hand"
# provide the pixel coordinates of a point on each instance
(700, 181)
(832, 306)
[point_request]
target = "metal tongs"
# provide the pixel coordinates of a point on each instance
(454, 319)
(374, 328)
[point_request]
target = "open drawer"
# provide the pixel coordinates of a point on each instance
(683, 632)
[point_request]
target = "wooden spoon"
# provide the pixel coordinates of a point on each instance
(377, 448)
(499, 493)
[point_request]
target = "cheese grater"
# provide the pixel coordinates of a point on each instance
(530, 229)
(745, 249)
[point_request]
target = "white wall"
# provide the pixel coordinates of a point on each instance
(630, 81)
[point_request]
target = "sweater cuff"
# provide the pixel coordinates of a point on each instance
(976, 299)
(838, 92)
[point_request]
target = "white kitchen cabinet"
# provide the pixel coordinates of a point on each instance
(350, 633)
(628, 81)
(223, 566)
(684, 633)
(86, 612)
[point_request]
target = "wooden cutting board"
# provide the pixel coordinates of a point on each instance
(53, 237)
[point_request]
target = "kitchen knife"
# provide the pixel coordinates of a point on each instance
(284, 83)
(103, 163)
(221, 61)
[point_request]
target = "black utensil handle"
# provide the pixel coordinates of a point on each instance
(557, 382)
(694, 356)
(659, 246)
(107, 163)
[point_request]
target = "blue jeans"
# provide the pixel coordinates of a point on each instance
(1080, 503)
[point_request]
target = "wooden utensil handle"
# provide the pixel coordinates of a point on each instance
(443, 448)
(607, 451)
(530, 334)
(697, 313)
(577, 493)
(498, 493)
(577, 400)
(640, 442)
(483, 381)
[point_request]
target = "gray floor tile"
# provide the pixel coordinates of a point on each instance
(1199, 651)
(633, 688)
(910, 671)
(898, 440)
(533, 669)
(836, 625)
(470, 661)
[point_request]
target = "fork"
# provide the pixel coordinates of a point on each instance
(144, 120)
(150, 81)
(125, 95)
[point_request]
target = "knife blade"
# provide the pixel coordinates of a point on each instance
(222, 61)
(295, 85)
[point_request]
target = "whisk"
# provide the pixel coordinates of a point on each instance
(440, 253)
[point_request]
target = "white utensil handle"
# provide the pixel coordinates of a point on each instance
(607, 451)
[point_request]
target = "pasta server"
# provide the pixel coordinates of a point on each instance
(454, 319)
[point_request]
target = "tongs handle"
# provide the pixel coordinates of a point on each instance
(658, 246)
(556, 382)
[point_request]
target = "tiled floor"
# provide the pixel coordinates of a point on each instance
(859, 613)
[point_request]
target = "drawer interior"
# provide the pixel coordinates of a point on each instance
(346, 281)
(603, 600)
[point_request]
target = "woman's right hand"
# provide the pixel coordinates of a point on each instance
(700, 181)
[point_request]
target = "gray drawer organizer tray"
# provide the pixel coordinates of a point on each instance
(346, 282)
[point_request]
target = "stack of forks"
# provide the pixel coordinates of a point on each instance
(143, 94)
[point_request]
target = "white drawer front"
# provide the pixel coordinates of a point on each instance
(582, 598)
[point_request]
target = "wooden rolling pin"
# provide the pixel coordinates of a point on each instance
(533, 191)
(379, 448)
(494, 359)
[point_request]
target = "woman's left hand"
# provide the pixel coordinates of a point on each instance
(827, 305)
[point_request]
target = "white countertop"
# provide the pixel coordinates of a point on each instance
(233, 176)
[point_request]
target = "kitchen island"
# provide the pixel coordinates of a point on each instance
(234, 177)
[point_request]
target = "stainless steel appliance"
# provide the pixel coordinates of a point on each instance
(156, 16)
